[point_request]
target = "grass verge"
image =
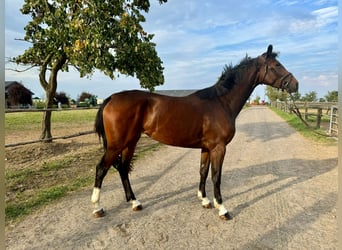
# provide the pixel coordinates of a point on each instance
(15, 211)
(296, 123)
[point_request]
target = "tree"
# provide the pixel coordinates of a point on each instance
(332, 96)
(274, 94)
(88, 35)
(256, 100)
(62, 98)
(296, 96)
(310, 97)
(84, 96)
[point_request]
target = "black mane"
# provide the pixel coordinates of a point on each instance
(228, 79)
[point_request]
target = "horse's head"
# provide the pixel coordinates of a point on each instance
(273, 73)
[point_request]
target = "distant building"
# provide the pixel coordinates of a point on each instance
(99, 101)
(17, 96)
(176, 92)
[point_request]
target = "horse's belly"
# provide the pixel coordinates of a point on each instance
(174, 137)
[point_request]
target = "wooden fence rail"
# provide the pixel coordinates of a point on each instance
(316, 110)
(43, 110)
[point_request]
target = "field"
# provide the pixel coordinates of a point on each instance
(40, 173)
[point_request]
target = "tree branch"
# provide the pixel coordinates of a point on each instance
(22, 40)
(21, 71)
(43, 69)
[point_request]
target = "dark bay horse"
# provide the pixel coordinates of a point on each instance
(204, 119)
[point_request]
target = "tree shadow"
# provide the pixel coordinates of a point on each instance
(295, 170)
(256, 130)
(298, 223)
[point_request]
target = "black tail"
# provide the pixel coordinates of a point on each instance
(99, 128)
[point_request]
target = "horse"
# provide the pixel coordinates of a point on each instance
(204, 119)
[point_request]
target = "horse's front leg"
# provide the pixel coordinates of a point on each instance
(204, 169)
(216, 159)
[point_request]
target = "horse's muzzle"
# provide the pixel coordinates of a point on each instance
(289, 83)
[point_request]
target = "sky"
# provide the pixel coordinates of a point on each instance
(197, 38)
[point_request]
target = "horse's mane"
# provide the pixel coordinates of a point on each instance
(228, 79)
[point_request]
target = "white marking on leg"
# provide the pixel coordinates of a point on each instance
(95, 199)
(199, 195)
(135, 203)
(220, 207)
(205, 200)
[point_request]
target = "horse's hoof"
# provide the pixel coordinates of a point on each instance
(208, 206)
(100, 213)
(138, 208)
(226, 216)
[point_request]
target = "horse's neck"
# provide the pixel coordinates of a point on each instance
(237, 97)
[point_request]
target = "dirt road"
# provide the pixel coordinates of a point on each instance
(280, 188)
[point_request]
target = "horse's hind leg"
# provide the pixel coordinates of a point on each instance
(204, 169)
(124, 168)
(101, 171)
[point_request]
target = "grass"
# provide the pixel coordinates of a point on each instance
(15, 211)
(296, 123)
(35, 187)
(30, 120)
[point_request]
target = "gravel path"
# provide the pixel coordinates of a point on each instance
(280, 188)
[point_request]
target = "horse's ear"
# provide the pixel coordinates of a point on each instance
(269, 50)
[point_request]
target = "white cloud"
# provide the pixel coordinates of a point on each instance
(325, 16)
(322, 80)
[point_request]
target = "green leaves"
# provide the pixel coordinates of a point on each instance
(103, 35)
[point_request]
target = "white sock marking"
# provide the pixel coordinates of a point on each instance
(205, 200)
(95, 199)
(135, 203)
(96, 195)
(220, 207)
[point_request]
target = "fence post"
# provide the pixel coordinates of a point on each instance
(305, 112)
(319, 116)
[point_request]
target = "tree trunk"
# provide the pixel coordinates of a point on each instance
(50, 88)
(46, 121)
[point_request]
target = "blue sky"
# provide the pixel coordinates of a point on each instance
(196, 38)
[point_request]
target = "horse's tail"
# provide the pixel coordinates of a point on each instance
(99, 128)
